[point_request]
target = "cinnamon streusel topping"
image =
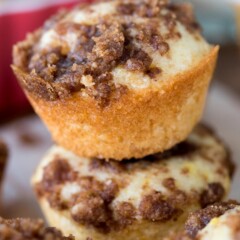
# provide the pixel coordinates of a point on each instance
(199, 219)
(70, 54)
(28, 229)
(111, 195)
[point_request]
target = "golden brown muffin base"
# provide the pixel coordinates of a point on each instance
(140, 123)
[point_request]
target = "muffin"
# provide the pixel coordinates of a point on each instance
(219, 221)
(133, 199)
(28, 229)
(117, 79)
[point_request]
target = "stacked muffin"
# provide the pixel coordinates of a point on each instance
(121, 85)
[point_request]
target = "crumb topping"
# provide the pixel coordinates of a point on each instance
(153, 207)
(82, 56)
(102, 194)
(199, 226)
(29, 229)
(92, 205)
(199, 219)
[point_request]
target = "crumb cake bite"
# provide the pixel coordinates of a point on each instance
(117, 79)
(117, 200)
(220, 221)
(28, 229)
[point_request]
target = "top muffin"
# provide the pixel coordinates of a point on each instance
(117, 79)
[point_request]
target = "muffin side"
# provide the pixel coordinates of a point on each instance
(129, 77)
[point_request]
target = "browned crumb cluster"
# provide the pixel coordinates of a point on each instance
(214, 193)
(154, 207)
(92, 205)
(199, 219)
(3, 157)
(28, 229)
(100, 48)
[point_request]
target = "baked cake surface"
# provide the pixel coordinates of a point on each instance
(113, 200)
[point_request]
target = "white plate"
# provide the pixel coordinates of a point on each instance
(222, 113)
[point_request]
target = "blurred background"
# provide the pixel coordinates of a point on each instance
(28, 139)
(220, 21)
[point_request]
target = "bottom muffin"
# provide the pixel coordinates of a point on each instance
(133, 199)
(28, 229)
(220, 221)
